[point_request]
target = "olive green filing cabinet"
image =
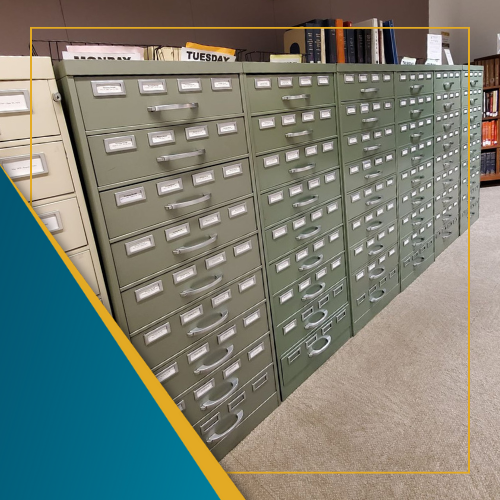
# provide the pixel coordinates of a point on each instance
(57, 194)
(165, 157)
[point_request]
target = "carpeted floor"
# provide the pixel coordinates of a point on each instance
(394, 398)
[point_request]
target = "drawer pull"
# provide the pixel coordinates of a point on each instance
(182, 204)
(311, 325)
(198, 331)
(218, 437)
(373, 201)
(324, 348)
(447, 182)
(417, 136)
(447, 126)
(375, 226)
(302, 169)
(416, 112)
(417, 158)
(416, 87)
(194, 291)
(310, 296)
(298, 134)
(447, 217)
(210, 404)
(472, 101)
(212, 238)
(370, 120)
(168, 107)
(372, 148)
(209, 368)
(295, 97)
(419, 242)
(179, 156)
(448, 106)
(420, 261)
(300, 204)
(378, 173)
(376, 276)
(310, 234)
(447, 163)
(376, 250)
(447, 85)
(376, 299)
(418, 201)
(448, 145)
(448, 199)
(418, 180)
(418, 222)
(447, 235)
(307, 267)
(371, 90)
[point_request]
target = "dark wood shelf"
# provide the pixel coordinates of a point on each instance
(491, 88)
(496, 146)
(490, 177)
(489, 118)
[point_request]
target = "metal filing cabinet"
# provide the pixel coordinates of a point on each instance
(165, 157)
(57, 194)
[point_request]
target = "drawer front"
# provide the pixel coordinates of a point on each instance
(374, 195)
(444, 102)
(291, 200)
(446, 215)
(175, 289)
(365, 85)
(415, 198)
(446, 236)
(217, 388)
(413, 83)
(414, 241)
(294, 233)
(273, 132)
(316, 348)
(447, 197)
(51, 176)
(474, 212)
(416, 263)
(127, 156)
(288, 92)
(154, 251)
(445, 81)
(141, 100)
(138, 206)
(476, 79)
(296, 163)
(64, 222)
(184, 370)
(375, 246)
(447, 160)
(223, 427)
(474, 98)
(286, 302)
(447, 178)
(361, 145)
(85, 266)
(15, 110)
(476, 115)
(414, 108)
(474, 151)
(415, 176)
(413, 132)
(291, 268)
(366, 116)
(445, 122)
(310, 317)
(443, 143)
(363, 172)
(415, 154)
(414, 220)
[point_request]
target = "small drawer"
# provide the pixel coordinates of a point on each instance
(472, 98)
(157, 250)
(446, 215)
(416, 263)
(138, 206)
(366, 116)
(446, 122)
(164, 294)
(64, 222)
(296, 163)
(293, 199)
(85, 265)
(371, 196)
(414, 220)
(474, 212)
(413, 83)
(415, 176)
(365, 85)
(444, 102)
(476, 115)
(446, 236)
(287, 236)
(414, 199)
(415, 154)
(414, 131)
(126, 101)
(447, 81)
(446, 198)
(447, 178)
(476, 79)
(414, 108)
(289, 92)
(361, 145)
(277, 131)
(447, 160)
(414, 241)
(130, 155)
(363, 172)
(447, 141)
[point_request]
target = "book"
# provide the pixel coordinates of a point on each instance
(340, 41)
(368, 46)
(330, 41)
(350, 44)
(381, 42)
(360, 47)
(316, 23)
(372, 23)
(391, 53)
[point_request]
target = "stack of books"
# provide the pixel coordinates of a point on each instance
(489, 133)
(490, 103)
(488, 162)
(491, 71)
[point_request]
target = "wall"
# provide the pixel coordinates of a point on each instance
(21, 14)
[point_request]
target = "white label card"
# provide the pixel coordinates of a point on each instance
(20, 167)
(168, 372)
(242, 248)
(203, 178)
(231, 369)
(281, 231)
(185, 274)
(196, 132)
(245, 285)
(210, 220)
(288, 119)
(281, 266)
(292, 155)
(286, 296)
(221, 298)
(251, 319)
(232, 170)
(265, 123)
(157, 334)
(215, 260)
(327, 146)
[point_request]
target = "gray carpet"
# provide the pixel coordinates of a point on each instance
(394, 398)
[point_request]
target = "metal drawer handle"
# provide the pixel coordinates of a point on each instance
(298, 134)
(324, 348)
(448, 145)
(182, 204)
(472, 101)
(447, 217)
(310, 296)
(447, 126)
(420, 261)
(210, 240)
(369, 91)
(372, 148)
(447, 182)
(447, 199)
(306, 267)
(419, 242)
(449, 105)
(211, 404)
(416, 136)
(302, 169)
(380, 248)
(375, 226)
(198, 331)
(179, 156)
(418, 222)
(194, 291)
(473, 83)
(447, 163)
(209, 368)
(418, 201)
(418, 179)
(304, 236)
(376, 299)
(370, 120)
(416, 87)
(417, 158)
(378, 173)
(218, 437)
(324, 315)
(447, 85)
(376, 276)
(416, 112)
(373, 201)
(294, 97)
(168, 107)
(447, 235)
(300, 204)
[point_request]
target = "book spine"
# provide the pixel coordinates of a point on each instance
(317, 45)
(360, 50)
(368, 46)
(375, 49)
(331, 42)
(340, 41)
(309, 45)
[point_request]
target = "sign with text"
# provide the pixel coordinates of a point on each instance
(188, 54)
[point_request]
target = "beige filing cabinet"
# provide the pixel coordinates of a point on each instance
(57, 194)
